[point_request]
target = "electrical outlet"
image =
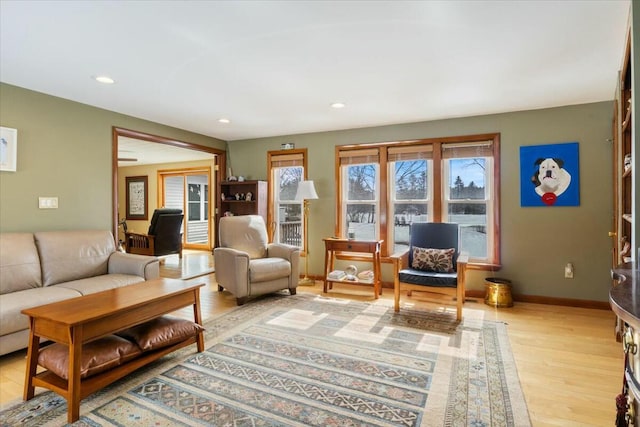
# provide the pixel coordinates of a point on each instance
(568, 271)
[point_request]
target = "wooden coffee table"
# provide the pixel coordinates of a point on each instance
(79, 320)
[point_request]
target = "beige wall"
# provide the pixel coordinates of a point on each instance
(536, 242)
(64, 150)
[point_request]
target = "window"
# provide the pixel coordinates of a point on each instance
(198, 202)
(286, 170)
(361, 198)
(385, 188)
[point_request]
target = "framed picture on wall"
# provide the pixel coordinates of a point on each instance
(550, 175)
(8, 149)
(137, 197)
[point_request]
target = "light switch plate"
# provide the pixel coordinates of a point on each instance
(48, 202)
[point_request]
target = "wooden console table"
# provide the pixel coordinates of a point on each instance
(79, 320)
(333, 245)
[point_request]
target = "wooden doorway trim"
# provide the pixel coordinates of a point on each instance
(117, 132)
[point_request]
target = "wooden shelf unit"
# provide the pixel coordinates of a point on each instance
(623, 176)
(256, 206)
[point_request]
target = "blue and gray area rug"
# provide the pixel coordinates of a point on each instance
(306, 360)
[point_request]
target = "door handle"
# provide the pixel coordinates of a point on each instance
(613, 234)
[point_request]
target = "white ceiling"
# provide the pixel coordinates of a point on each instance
(274, 67)
(140, 152)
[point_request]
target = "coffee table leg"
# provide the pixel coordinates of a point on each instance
(32, 361)
(197, 317)
(74, 384)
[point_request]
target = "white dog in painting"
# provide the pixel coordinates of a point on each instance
(551, 177)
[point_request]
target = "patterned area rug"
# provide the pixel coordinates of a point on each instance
(306, 360)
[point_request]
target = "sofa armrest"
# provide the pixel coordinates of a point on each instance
(400, 261)
(291, 254)
(232, 270)
(280, 250)
(137, 265)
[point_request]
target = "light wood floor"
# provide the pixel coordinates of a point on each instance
(569, 364)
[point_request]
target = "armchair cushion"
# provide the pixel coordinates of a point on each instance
(431, 259)
(263, 269)
(428, 278)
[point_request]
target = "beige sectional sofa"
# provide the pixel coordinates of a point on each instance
(49, 266)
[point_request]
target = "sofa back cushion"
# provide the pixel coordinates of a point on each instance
(73, 255)
(19, 263)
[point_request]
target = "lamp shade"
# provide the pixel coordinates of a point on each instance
(306, 191)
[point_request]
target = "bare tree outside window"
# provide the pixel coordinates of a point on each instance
(288, 212)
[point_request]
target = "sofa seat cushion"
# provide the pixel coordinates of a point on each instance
(265, 269)
(428, 278)
(19, 263)
(161, 332)
(100, 283)
(97, 356)
(11, 320)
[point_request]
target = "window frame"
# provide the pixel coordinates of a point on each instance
(275, 159)
(436, 175)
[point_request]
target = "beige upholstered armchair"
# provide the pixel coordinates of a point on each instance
(247, 265)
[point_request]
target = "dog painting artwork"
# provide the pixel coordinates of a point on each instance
(549, 175)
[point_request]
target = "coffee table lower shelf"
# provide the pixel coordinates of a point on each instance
(88, 386)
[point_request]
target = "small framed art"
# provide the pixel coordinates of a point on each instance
(137, 197)
(8, 149)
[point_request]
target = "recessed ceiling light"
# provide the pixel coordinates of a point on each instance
(338, 105)
(224, 121)
(104, 79)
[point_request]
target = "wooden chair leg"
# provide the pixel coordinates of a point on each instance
(396, 296)
(459, 302)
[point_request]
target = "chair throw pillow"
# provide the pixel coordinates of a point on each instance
(161, 332)
(429, 259)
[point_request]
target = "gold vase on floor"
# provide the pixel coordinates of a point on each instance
(498, 292)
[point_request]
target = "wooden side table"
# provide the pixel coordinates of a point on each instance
(332, 246)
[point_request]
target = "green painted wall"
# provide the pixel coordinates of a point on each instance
(64, 150)
(536, 242)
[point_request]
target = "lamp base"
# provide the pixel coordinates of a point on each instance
(306, 281)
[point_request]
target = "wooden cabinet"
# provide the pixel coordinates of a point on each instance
(243, 198)
(623, 163)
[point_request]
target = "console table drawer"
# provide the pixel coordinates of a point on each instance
(353, 246)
